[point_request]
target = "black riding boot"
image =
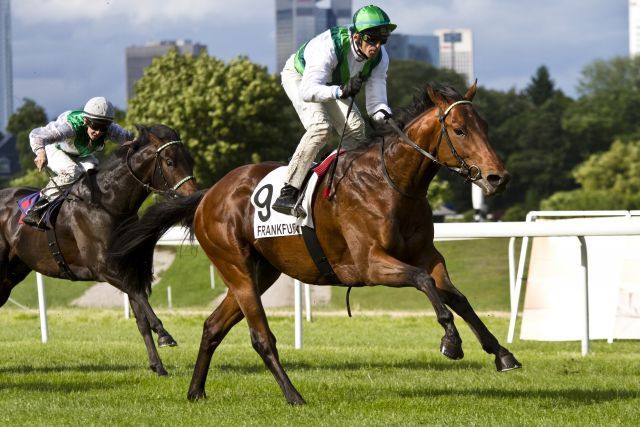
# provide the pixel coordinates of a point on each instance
(34, 216)
(286, 203)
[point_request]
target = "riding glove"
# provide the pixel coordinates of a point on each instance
(352, 87)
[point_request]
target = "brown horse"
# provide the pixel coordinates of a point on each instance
(377, 229)
(96, 205)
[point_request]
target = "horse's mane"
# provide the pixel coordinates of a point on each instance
(421, 103)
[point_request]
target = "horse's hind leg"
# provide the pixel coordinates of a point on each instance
(12, 272)
(216, 327)
(247, 297)
(504, 360)
(164, 338)
(155, 363)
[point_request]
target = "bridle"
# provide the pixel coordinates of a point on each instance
(470, 173)
(171, 191)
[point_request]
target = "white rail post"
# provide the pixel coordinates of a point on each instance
(125, 304)
(42, 308)
(297, 297)
(213, 276)
(307, 300)
(584, 264)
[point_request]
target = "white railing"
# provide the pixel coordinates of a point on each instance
(616, 224)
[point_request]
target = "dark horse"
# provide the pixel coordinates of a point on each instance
(96, 205)
(377, 229)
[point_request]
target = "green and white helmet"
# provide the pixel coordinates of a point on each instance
(99, 109)
(372, 19)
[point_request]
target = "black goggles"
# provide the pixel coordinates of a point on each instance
(373, 40)
(99, 126)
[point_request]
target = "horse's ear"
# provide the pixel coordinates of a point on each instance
(471, 92)
(436, 98)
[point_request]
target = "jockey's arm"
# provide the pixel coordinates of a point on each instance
(376, 90)
(320, 62)
(117, 133)
(55, 131)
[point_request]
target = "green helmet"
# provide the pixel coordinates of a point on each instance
(371, 17)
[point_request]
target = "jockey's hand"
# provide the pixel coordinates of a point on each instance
(41, 160)
(352, 87)
(382, 115)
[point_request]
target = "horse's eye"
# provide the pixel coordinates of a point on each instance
(169, 162)
(459, 131)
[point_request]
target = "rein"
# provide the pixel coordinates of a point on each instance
(471, 173)
(148, 187)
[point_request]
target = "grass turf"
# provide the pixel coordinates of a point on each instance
(368, 370)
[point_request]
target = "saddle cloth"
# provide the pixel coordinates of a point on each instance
(269, 223)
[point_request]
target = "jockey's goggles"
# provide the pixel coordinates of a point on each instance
(373, 40)
(98, 125)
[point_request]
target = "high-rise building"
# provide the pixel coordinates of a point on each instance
(140, 57)
(6, 69)
(456, 51)
(418, 48)
(634, 27)
(298, 21)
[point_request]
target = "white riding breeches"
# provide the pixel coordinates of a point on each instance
(318, 118)
(67, 169)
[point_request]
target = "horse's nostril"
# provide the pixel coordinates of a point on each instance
(498, 180)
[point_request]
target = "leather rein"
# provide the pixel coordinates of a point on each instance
(471, 173)
(170, 190)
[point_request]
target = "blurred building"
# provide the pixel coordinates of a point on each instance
(9, 157)
(6, 69)
(140, 57)
(417, 48)
(456, 51)
(298, 21)
(634, 27)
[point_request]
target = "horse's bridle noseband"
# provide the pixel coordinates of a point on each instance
(170, 190)
(471, 173)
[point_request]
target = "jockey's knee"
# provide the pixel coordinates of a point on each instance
(318, 134)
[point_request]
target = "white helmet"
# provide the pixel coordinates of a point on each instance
(99, 108)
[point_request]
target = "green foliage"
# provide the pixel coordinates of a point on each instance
(609, 180)
(541, 87)
(31, 178)
(227, 114)
(609, 105)
(29, 116)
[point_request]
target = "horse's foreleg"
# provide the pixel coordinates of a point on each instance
(155, 363)
(215, 329)
(388, 271)
(504, 360)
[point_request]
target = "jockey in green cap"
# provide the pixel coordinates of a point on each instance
(321, 77)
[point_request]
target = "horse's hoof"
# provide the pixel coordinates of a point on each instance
(193, 395)
(451, 349)
(166, 341)
(507, 362)
(159, 370)
(297, 400)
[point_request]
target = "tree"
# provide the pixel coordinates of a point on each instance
(227, 114)
(29, 116)
(541, 87)
(609, 180)
(608, 107)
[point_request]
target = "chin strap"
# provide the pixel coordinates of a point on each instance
(356, 48)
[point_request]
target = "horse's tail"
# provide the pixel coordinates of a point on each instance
(133, 242)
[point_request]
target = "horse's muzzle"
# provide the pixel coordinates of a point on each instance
(495, 183)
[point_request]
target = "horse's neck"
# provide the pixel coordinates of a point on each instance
(118, 191)
(410, 171)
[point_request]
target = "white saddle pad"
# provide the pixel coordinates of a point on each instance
(269, 223)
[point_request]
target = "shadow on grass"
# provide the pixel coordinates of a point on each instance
(569, 398)
(443, 366)
(82, 368)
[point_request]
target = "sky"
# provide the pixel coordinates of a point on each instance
(67, 51)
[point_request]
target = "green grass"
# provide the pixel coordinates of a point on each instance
(375, 370)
